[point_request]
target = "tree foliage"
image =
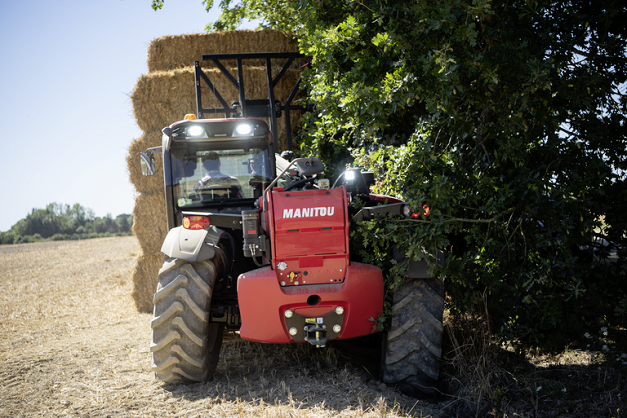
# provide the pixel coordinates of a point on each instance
(507, 118)
(59, 222)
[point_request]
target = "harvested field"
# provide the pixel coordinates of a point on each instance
(73, 344)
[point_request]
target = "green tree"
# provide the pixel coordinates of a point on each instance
(507, 118)
(58, 221)
(124, 222)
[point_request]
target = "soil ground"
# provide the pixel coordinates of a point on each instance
(72, 343)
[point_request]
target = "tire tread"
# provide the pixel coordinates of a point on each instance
(413, 346)
(185, 346)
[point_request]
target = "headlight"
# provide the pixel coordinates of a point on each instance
(195, 130)
(243, 129)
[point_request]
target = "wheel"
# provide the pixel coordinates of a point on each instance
(412, 349)
(185, 346)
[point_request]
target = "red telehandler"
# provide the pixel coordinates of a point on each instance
(260, 245)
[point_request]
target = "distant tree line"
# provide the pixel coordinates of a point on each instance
(64, 222)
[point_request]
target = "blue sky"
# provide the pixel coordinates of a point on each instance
(67, 69)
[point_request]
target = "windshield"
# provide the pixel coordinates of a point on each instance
(209, 174)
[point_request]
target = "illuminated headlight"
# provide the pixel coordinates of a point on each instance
(349, 175)
(244, 129)
(195, 131)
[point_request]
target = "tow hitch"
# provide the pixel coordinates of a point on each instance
(314, 329)
(316, 335)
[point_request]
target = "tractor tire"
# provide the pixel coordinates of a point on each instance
(412, 348)
(185, 345)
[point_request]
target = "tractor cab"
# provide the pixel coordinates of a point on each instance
(214, 165)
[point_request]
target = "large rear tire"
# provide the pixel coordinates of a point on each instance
(185, 345)
(412, 347)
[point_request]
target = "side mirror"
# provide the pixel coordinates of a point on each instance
(309, 166)
(147, 161)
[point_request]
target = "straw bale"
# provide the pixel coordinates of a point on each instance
(149, 221)
(178, 51)
(145, 278)
(150, 229)
(295, 124)
(151, 184)
(163, 97)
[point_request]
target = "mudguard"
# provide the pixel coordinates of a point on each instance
(191, 245)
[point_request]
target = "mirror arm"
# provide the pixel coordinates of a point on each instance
(158, 150)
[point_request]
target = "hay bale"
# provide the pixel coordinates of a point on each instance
(178, 51)
(149, 221)
(150, 229)
(151, 184)
(145, 278)
(164, 97)
(295, 124)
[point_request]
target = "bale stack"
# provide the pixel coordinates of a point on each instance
(164, 96)
(180, 51)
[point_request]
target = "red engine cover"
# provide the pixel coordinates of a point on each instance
(309, 235)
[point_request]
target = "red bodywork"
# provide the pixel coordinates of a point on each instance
(310, 273)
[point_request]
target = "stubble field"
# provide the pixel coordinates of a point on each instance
(72, 343)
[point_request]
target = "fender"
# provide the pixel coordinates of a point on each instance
(191, 245)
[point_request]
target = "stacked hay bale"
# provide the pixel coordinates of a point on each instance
(164, 96)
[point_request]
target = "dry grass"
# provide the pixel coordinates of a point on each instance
(74, 344)
(486, 378)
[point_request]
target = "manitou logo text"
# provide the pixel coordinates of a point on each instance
(308, 212)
